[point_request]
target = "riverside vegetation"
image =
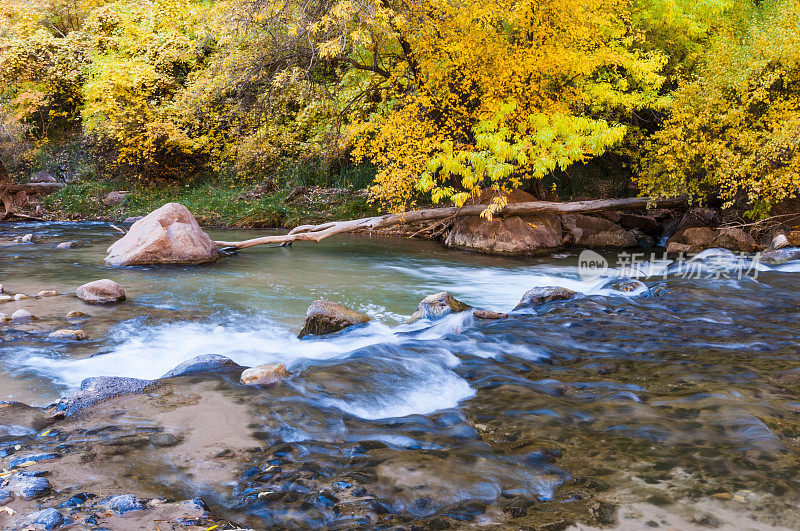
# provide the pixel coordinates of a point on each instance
(230, 105)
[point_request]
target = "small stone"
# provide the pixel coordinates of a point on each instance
(68, 333)
(65, 245)
(47, 293)
(488, 314)
(28, 487)
(22, 315)
(28, 238)
(44, 519)
(438, 305)
(103, 291)
(722, 495)
(4, 317)
(267, 374)
(121, 504)
(20, 297)
(75, 314)
(6, 298)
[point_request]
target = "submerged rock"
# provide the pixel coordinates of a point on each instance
(33, 458)
(69, 333)
(168, 235)
(781, 256)
(266, 374)
(44, 519)
(437, 306)
(75, 314)
(122, 504)
(488, 314)
(536, 297)
(103, 291)
(328, 317)
(204, 363)
(590, 231)
(625, 286)
(656, 291)
(22, 315)
(28, 487)
(66, 245)
(97, 389)
(47, 293)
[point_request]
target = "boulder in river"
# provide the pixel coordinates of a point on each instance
(75, 314)
(6, 298)
(781, 256)
(266, 374)
(122, 504)
(735, 239)
(100, 388)
(47, 293)
(488, 314)
(328, 317)
(204, 363)
(45, 519)
(168, 235)
(66, 245)
(28, 486)
(695, 239)
(512, 235)
(4, 317)
(778, 242)
(590, 231)
(20, 297)
(68, 333)
(536, 297)
(438, 305)
(103, 291)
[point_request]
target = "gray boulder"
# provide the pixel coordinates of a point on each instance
(590, 231)
(536, 297)
(781, 256)
(204, 363)
(122, 504)
(327, 317)
(99, 389)
(168, 235)
(103, 291)
(437, 306)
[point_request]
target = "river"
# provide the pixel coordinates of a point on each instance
(675, 410)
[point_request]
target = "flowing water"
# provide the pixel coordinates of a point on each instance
(680, 409)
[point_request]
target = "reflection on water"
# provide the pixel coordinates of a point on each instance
(678, 397)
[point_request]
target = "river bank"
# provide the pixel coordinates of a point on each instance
(611, 409)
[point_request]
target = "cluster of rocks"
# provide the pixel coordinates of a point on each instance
(687, 232)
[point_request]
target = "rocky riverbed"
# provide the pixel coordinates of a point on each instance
(449, 390)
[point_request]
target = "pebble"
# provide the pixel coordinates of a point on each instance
(20, 296)
(4, 317)
(68, 333)
(722, 496)
(65, 245)
(28, 487)
(47, 519)
(488, 314)
(122, 504)
(28, 238)
(6, 298)
(22, 315)
(47, 293)
(75, 314)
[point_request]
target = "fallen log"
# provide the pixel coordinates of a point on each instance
(317, 233)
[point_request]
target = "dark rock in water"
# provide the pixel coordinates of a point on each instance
(437, 306)
(646, 224)
(590, 231)
(98, 389)
(512, 235)
(539, 296)
(488, 314)
(656, 291)
(204, 363)
(624, 286)
(122, 504)
(781, 256)
(327, 317)
(28, 487)
(5, 496)
(45, 519)
(78, 499)
(103, 291)
(32, 459)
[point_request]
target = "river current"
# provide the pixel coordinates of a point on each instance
(616, 407)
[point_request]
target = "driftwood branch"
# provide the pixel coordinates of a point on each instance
(316, 233)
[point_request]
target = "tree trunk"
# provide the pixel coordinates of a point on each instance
(317, 233)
